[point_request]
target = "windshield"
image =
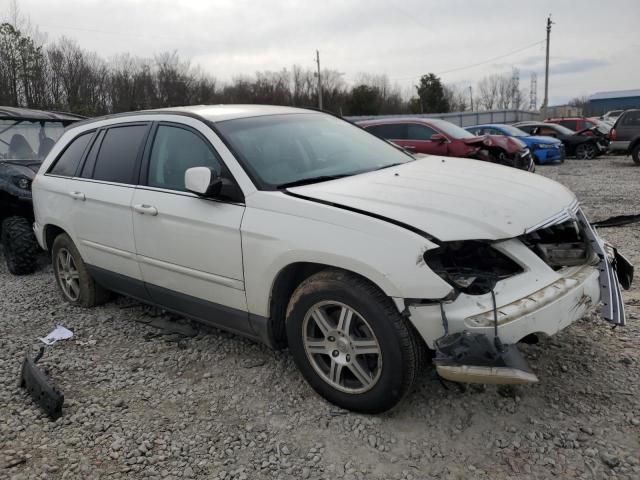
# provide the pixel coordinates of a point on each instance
(27, 140)
(513, 131)
(284, 149)
(450, 129)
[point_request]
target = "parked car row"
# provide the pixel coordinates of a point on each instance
(439, 137)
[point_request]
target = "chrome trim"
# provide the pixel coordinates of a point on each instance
(199, 274)
(105, 248)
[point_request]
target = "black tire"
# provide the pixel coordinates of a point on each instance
(399, 346)
(635, 154)
(90, 293)
(586, 151)
(20, 245)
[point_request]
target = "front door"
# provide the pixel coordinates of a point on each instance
(188, 247)
(419, 140)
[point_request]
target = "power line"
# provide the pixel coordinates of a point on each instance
(489, 60)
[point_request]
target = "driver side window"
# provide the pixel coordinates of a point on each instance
(175, 150)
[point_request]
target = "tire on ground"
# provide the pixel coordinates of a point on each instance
(91, 294)
(398, 342)
(635, 154)
(20, 245)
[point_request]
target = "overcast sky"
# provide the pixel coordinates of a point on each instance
(595, 45)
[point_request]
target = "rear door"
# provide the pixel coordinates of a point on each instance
(628, 126)
(102, 197)
(188, 247)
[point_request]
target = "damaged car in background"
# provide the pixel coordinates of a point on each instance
(433, 136)
(299, 229)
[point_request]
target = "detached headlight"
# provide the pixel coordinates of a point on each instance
(544, 145)
(471, 266)
(22, 183)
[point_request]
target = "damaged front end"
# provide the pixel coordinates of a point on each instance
(492, 301)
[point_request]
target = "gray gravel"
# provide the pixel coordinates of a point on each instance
(142, 402)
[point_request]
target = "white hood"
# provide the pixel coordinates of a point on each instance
(450, 198)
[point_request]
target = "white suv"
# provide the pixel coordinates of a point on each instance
(299, 229)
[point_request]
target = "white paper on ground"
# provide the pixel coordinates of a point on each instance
(58, 333)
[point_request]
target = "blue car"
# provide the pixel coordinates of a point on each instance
(543, 149)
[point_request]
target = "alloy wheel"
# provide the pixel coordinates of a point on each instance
(68, 275)
(342, 347)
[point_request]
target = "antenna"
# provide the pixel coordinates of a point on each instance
(533, 92)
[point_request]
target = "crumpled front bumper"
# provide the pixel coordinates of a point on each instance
(538, 300)
(546, 310)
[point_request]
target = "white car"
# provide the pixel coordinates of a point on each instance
(299, 229)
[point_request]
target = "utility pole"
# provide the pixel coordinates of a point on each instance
(545, 103)
(319, 81)
(471, 97)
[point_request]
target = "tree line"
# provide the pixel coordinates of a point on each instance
(65, 77)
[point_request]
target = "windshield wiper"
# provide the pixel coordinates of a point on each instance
(388, 166)
(308, 180)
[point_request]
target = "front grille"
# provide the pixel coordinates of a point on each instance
(559, 245)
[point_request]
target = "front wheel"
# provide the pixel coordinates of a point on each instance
(586, 151)
(351, 343)
(20, 245)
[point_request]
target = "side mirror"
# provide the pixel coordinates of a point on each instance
(437, 137)
(202, 181)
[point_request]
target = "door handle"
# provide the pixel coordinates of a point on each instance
(410, 147)
(146, 209)
(77, 196)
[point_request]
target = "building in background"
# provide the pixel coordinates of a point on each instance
(560, 111)
(603, 102)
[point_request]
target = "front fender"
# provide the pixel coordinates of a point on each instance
(386, 254)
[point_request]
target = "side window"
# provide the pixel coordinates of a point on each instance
(546, 131)
(116, 159)
(391, 131)
(419, 132)
(68, 162)
(174, 151)
(631, 119)
(587, 124)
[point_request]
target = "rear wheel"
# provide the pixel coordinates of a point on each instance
(72, 277)
(586, 151)
(635, 154)
(19, 245)
(351, 343)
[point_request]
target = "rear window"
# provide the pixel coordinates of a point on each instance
(116, 160)
(68, 162)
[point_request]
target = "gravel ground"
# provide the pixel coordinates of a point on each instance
(144, 403)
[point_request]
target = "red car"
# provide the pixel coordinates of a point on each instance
(439, 137)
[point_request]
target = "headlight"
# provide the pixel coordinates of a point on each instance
(22, 183)
(544, 145)
(471, 266)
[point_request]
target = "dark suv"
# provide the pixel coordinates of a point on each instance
(625, 134)
(26, 136)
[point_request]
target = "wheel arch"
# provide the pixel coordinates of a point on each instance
(50, 232)
(284, 284)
